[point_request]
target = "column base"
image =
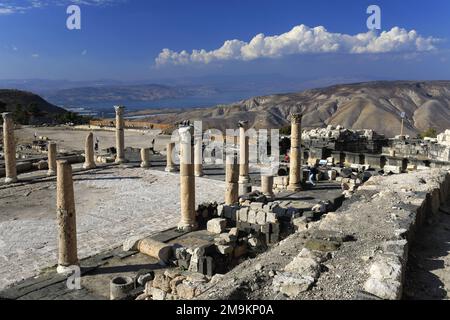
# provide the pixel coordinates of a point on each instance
(199, 174)
(65, 270)
(121, 161)
(10, 180)
(184, 227)
(245, 188)
(170, 169)
(145, 165)
(87, 166)
(294, 187)
(51, 173)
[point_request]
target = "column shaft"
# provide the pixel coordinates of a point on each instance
(89, 162)
(198, 158)
(187, 179)
(145, 158)
(170, 167)
(231, 181)
(267, 186)
(295, 156)
(66, 218)
(51, 159)
(120, 135)
(9, 148)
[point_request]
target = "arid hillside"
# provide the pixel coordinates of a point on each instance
(371, 105)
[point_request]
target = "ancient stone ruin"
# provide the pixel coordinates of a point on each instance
(347, 231)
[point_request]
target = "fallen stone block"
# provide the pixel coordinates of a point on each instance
(175, 282)
(300, 224)
(217, 225)
(261, 217)
(305, 266)
(150, 247)
(385, 289)
(158, 294)
(187, 290)
(243, 214)
(251, 218)
(291, 284)
(271, 217)
(162, 282)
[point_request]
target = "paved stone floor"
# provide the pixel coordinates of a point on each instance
(113, 203)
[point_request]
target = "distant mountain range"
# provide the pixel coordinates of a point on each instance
(187, 92)
(370, 105)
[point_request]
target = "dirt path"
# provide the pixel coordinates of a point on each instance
(428, 274)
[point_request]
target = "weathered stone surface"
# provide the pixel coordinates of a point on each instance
(243, 214)
(251, 218)
(384, 289)
(187, 290)
(158, 294)
(305, 266)
(175, 282)
(217, 225)
(261, 217)
(162, 282)
(195, 253)
(385, 278)
(291, 284)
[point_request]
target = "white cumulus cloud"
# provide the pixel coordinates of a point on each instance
(303, 39)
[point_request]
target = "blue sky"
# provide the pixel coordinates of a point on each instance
(122, 39)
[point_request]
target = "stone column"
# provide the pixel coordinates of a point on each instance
(231, 181)
(89, 162)
(145, 157)
(9, 148)
(66, 218)
(244, 177)
(267, 186)
(295, 156)
(170, 167)
(187, 179)
(51, 159)
(120, 135)
(198, 157)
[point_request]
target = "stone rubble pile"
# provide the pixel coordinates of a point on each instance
(338, 133)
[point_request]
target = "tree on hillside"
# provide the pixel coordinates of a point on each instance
(33, 109)
(430, 133)
(2, 107)
(20, 115)
(286, 131)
